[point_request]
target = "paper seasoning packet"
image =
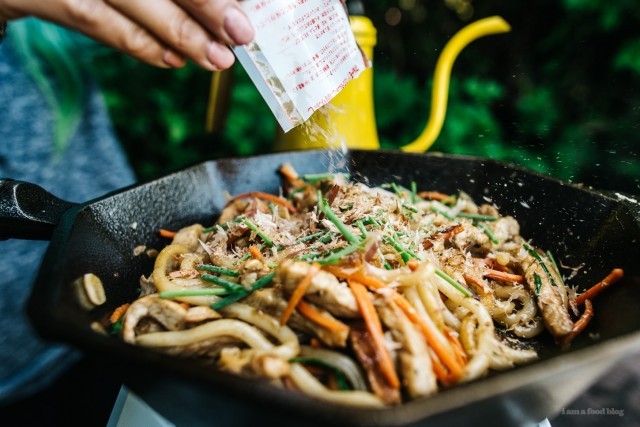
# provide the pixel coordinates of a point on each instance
(303, 54)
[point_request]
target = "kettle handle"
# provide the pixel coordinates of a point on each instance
(473, 31)
(27, 211)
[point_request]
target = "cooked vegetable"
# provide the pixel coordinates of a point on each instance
(239, 294)
(615, 275)
(326, 209)
(297, 295)
(216, 269)
(580, 324)
(166, 233)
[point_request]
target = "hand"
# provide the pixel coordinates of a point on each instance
(163, 33)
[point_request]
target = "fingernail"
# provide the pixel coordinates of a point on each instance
(237, 25)
(172, 59)
(220, 56)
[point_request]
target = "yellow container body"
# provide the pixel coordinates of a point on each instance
(349, 119)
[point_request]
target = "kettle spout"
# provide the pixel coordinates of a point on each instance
(440, 91)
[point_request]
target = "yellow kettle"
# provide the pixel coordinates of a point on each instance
(349, 119)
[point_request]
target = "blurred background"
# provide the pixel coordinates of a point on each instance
(558, 94)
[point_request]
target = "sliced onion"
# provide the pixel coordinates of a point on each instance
(340, 361)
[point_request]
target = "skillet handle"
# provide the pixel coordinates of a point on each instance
(27, 211)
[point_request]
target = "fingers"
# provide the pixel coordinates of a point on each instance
(162, 33)
(174, 27)
(103, 23)
(8, 11)
(224, 18)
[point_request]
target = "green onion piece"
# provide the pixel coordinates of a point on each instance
(371, 221)
(388, 240)
(208, 229)
(117, 327)
(489, 233)
(341, 379)
(309, 256)
(337, 256)
(397, 190)
(453, 283)
(553, 261)
(313, 178)
(193, 293)
(329, 237)
(216, 269)
(445, 214)
(310, 237)
(414, 198)
(412, 254)
(244, 257)
(237, 296)
(272, 265)
(225, 225)
(534, 254)
(538, 282)
(409, 208)
(397, 245)
(229, 286)
(387, 266)
(262, 282)
(414, 192)
(272, 208)
(326, 210)
(477, 216)
(362, 229)
(253, 227)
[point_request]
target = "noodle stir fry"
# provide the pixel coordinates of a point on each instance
(355, 295)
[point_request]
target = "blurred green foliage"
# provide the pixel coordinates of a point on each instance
(559, 93)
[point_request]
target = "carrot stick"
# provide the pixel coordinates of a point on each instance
(265, 196)
(615, 275)
(374, 327)
(434, 339)
(168, 234)
(339, 272)
(580, 324)
(255, 252)
(477, 283)
(445, 376)
(433, 195)
(315, 316)
(505, 277)
(118, 312)
(458, 349)
(299, 292)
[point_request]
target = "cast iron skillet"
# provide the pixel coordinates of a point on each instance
(580, 226)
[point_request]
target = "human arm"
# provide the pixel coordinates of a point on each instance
(163, 33)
